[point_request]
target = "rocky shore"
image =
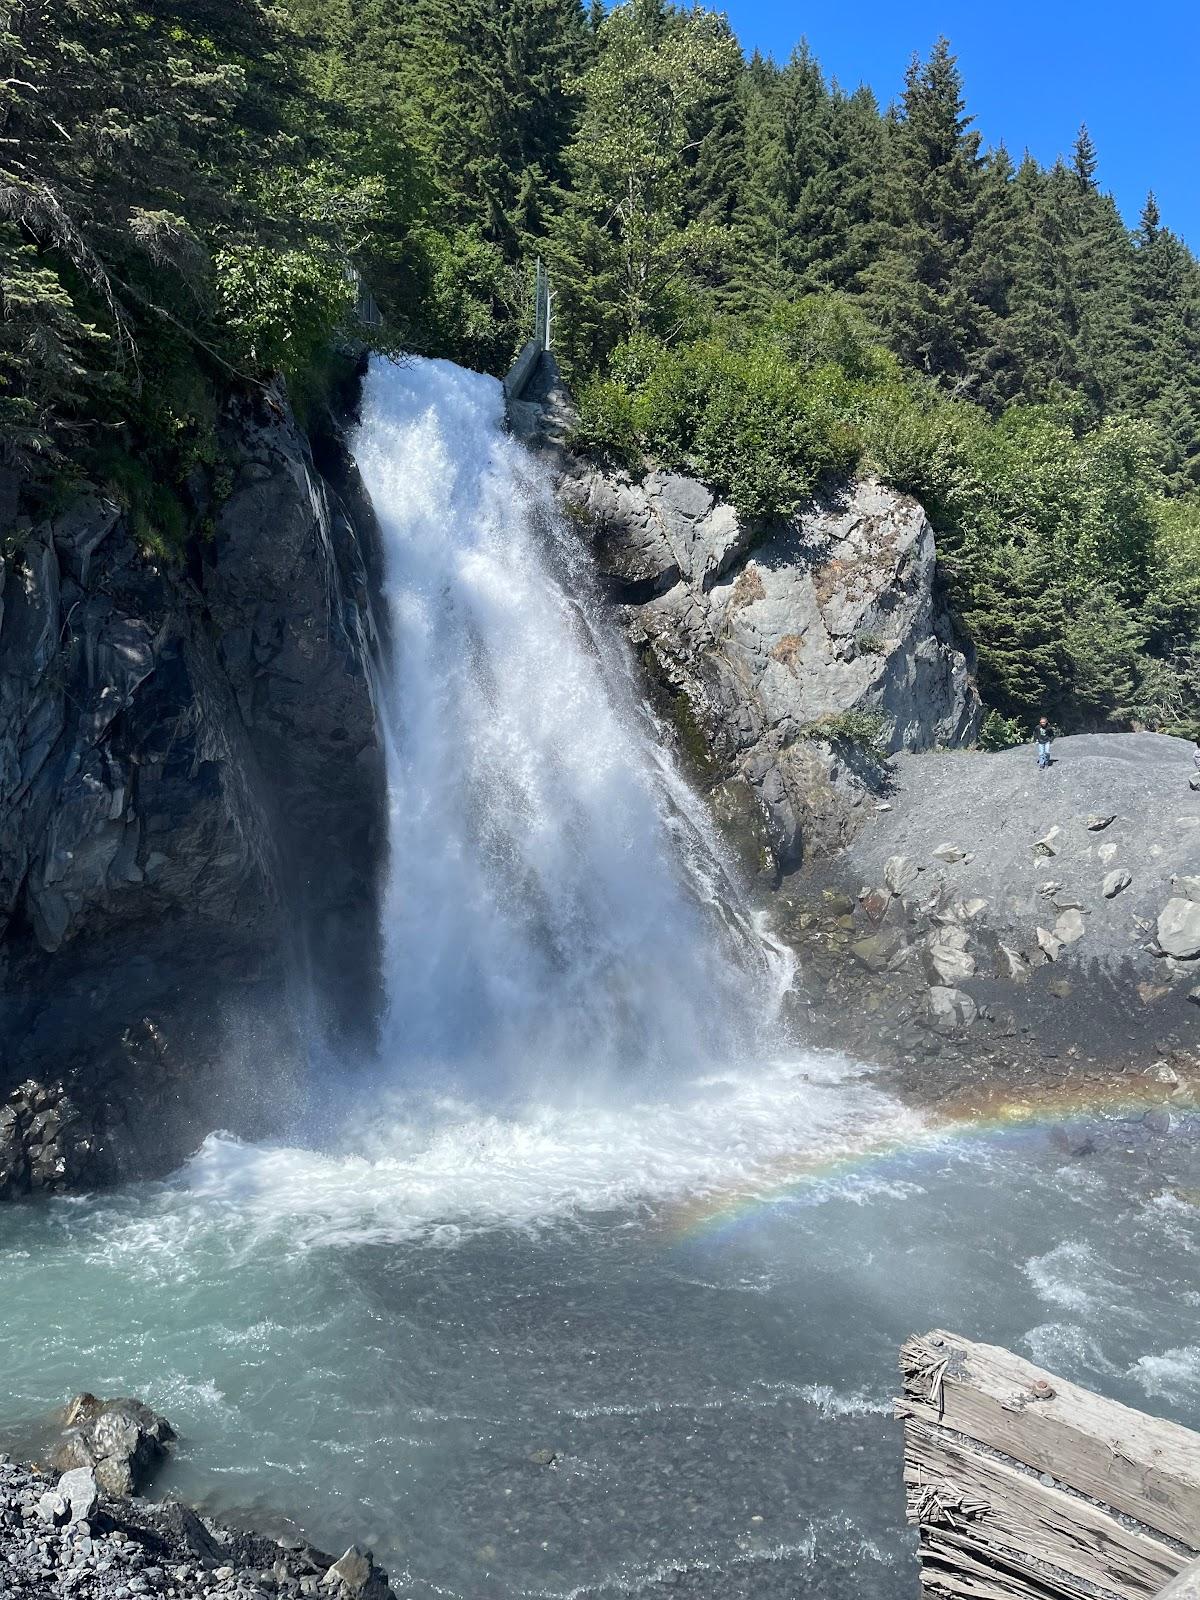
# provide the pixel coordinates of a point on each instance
(82, 1533)
(994, 914)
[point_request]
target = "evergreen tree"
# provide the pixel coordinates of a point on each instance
(919, 290)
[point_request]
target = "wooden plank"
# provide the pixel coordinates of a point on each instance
(999, 1507)
(1185, 1585)
(951, 1566)
(1140, 1465)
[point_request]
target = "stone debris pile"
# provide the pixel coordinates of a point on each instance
(68, 1536)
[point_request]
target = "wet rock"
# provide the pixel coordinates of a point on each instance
(877, 950)
(135, 1547)
(175, 739)
(352, 1571)
(1012, 964)
(121, 1441)
(1115, 881)
(1178, 929)
(187, 1531)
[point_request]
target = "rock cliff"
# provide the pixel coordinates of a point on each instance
(191, 802)
(779, 650)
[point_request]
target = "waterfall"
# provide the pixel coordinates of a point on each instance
(558, 906)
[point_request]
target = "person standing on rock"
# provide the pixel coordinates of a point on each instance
(1043, 734)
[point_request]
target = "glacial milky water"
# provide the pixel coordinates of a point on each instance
(589, 1201)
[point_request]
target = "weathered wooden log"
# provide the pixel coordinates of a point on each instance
(1185, 1585)
(1026, 1487)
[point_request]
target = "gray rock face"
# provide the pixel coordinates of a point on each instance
(1124, 937)
(178, 746)
(758, 636)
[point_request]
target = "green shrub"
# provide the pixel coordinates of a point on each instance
(1001, 733)
(605, 425)
(868, 731)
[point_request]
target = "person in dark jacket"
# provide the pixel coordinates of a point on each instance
(1043, 734)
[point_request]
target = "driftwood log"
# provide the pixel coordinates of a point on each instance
(1026, 1487)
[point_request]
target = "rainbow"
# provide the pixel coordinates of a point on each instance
(995, 1116)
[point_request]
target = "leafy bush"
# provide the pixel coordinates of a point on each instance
(605, 424)
(868, 731)
(741, 416)
(1001, 733)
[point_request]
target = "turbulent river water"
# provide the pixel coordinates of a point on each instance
(590, 1202)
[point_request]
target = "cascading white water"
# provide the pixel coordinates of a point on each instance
(557, 906)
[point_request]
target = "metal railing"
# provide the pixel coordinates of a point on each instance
(366, 310)
(543, 300)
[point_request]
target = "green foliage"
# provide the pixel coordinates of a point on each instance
(758, 427)
(281, 305)
(868, 731)
(472, 307)
(1001, 733)
(759, 278)
(627, 255)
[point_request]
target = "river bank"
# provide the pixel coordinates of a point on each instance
(62, 1537)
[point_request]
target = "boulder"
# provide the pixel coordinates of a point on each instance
(900, 874)
(949, 957)
(878, 950)
(121, 1441)
(81, 1493)
(763, 636)
(1098, 824)
(1179, 929)
(1069, 928)
(1187, 888)
(1048, 944)
(1107, 853)
(1048, 844)
(352, 1571)
(1115, 882)
(950, 1010)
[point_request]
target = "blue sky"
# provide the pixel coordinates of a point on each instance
(1033, 73)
